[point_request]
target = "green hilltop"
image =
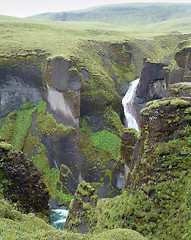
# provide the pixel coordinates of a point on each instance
(66, 39)
(131, 14)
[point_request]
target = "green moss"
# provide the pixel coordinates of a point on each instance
(176, 102)
(107, 142)
(6, 146)
(119, 234)
(17, 124)
(178, 88)
(179, 103)
(113, 119)
(84, 127)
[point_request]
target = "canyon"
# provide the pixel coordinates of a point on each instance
(67, 115)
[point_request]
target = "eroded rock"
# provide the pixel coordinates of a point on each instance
(21, 180)
(85, 199)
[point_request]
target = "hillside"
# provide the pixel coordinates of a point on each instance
(132, 14)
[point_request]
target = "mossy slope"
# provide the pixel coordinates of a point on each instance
(156, 201)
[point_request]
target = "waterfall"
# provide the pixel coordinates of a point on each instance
(128, 104)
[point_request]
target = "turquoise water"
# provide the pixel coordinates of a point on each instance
(58, 217)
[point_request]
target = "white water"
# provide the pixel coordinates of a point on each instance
(58, 217)
(128, 105)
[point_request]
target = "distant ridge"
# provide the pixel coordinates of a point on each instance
(124, 14)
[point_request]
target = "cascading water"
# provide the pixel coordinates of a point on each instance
(58, 217)
(128, 104)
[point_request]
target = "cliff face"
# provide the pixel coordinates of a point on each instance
(179, 70)
(33, 89)
(152, 84)
(156, 201)
(43, 103)
(66, 114)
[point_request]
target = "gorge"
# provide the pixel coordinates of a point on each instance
(61, 128)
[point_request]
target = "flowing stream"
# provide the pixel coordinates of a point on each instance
(58, 217)
(129, 108)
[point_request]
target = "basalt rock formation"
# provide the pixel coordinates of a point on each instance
(84, 200)
(21, 181)
(152, 84)
(179, 70)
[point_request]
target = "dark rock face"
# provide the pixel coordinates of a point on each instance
(152, 84)
(181, 71)
(63, 95)
(20, 81)
(22, 181)
(65, 153)
(127, 148)
(129, 140)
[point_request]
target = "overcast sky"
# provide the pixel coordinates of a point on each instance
(25, 8)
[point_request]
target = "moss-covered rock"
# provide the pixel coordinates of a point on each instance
(15, 225)
(129, 139)
(85, 199)
(119, 234)
(21, 181)
(180, 66)
(182, 89)
(156, 202)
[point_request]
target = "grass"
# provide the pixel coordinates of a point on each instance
(18, 36)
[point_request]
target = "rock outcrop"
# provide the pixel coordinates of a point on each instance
(22, 182)
(161, 122)
(84, 200)
(158, 187)
(182, 89)
(127, 148)
(152, 84)
(180, 68)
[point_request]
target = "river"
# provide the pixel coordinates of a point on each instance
(58, 217)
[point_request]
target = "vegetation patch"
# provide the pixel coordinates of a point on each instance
(108, 142)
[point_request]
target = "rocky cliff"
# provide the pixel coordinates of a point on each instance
(156, 201)
(63, 113)
(179, 69)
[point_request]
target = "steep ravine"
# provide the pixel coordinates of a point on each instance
(83, 141)
(46, 100)
(156, 199)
